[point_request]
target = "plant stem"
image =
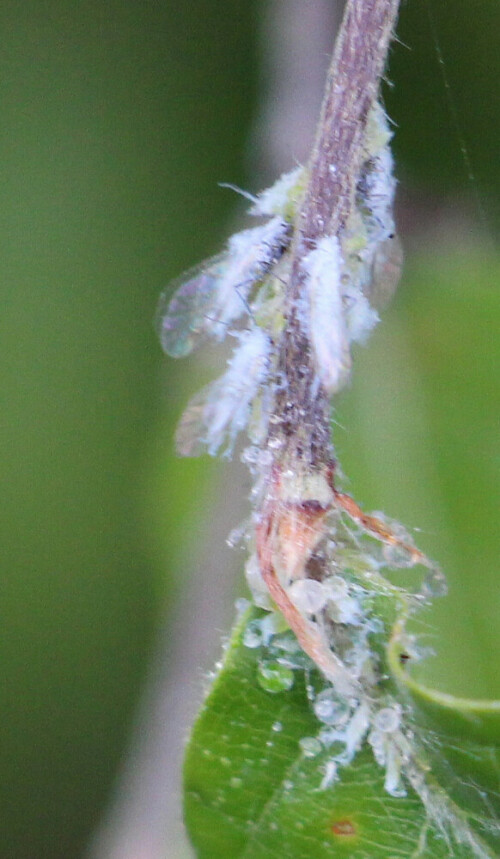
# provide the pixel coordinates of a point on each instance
(291, 520)
(352, 86)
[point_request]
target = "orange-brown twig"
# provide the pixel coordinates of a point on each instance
(308, 635)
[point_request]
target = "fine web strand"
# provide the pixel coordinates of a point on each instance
(457, 126)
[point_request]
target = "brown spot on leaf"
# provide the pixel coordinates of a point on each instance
(344, 828)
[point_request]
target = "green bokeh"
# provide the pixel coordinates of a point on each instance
(418, 437)
(445, 102)
(117, 121)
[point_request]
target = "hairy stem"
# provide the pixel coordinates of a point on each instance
(352, 85)
(300, 437)
(351, 88)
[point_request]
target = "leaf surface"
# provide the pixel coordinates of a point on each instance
(251, 792)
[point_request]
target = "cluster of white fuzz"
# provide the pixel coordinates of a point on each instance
(241, 293)
(339, 606)
(245, 286)
(345, 723)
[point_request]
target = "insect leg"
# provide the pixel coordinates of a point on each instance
(376, 526)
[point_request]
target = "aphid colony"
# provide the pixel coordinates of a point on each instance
(240, 293)
(304, 534)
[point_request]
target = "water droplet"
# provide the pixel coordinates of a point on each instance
(435, 584)
(330, 708)
(387, 720)
(308, 595)
(342, 607)
(310, 747)
(252, 637)
(277, 726)
(287, 784)
(274, 677)
(287, 643)
(271, 625)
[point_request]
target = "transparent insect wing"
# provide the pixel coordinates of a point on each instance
(185, 314)
(190, 436)
(386, 271)
(212, 296)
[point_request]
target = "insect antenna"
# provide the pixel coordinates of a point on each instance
(246, 194)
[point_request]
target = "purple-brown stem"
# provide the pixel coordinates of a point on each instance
(302, 407)
(352, 86)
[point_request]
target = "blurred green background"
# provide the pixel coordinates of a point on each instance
(118, 120)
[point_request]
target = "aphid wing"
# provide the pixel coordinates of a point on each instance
(190, 436)
(213, 295)
(386, 271)
(185, 314)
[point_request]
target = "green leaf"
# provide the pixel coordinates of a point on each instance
(251, 792)
(462, 739)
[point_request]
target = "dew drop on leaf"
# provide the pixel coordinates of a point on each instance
(387, 720)
(310, 747)
(308, 595)
(252, 637)
(274, 677)
(330, 708)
